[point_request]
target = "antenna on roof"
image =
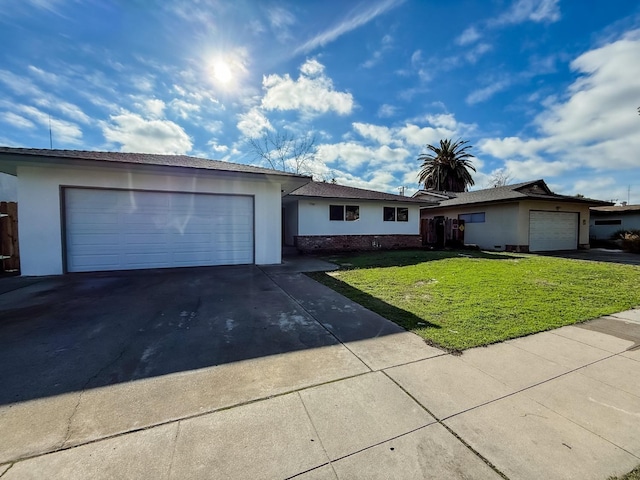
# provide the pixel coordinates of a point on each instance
(401, 190)
(50, 136)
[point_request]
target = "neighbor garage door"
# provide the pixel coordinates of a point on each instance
(124, 229)
(553, 231)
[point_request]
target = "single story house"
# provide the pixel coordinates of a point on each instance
(605, 221)
(90, 211)
(524, 217)
(322, 216)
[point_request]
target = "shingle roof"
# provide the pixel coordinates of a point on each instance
(536, 189)
(183, 161)
(616, 209)
(332, 190)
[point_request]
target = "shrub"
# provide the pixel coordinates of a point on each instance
(630, 239)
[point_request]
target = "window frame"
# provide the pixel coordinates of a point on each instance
(349, 213)
(474, 217)
(397, 217)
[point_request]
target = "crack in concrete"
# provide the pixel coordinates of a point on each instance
(3, 473)
(173, 450)
(317, 435)
(95, 376)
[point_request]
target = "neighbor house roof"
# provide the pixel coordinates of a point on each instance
(533, 190)
(616, 209)
(183, 161)
(334, 191)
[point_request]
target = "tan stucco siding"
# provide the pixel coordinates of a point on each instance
(508, 223)
(498, 230)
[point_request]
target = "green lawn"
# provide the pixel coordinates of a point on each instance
(459, 300)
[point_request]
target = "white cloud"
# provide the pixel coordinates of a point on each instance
(61, 130)
(154, 107)
(354, 19)
(312, 68)
(48, 77)
(538, 11)
(353, 155)
(216, 147)
(17, 121)
(485, 93)
(183, 108)
(253, 123)
(386, 111)
(68, 109)
(385, 45)
(420, 136)
(312, 93)
(470, 35)
(280, 21)
(596, 123)
(19, 85)
(380, 134)
(136, 134)
(476, 52)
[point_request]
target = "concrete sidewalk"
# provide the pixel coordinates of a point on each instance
(560, 404)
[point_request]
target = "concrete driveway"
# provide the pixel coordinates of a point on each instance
(243, 372)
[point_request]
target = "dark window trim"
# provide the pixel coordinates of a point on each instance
(396, 214)
(345, 213)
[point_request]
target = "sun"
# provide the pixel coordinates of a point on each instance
(222, 71)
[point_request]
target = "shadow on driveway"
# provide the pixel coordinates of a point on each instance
(74, 332)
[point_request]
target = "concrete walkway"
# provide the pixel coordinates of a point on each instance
(377, 403)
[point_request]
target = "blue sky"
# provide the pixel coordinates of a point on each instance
(541, 88)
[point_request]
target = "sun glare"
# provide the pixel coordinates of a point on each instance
(222, 72)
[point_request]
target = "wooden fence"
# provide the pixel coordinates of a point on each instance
(9, 251)
(442, 232)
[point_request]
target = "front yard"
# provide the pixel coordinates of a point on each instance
(459, 300)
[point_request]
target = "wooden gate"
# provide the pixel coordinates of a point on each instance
(442, 232)
(9, 251)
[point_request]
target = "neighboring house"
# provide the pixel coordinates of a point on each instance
(605, 221)
(329, 217)
(88, 211)
(522, 217)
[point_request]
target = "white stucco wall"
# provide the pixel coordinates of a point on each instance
(39, 200)
(313, 219)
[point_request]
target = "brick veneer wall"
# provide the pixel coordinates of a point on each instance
(337, 243)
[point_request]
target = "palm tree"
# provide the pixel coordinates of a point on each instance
(446, 167)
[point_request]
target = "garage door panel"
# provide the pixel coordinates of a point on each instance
(553, 231)
(116, 229)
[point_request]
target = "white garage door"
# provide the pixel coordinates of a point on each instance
(553, 231)
(124, 230)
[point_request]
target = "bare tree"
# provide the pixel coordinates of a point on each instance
(284, 151)
(499, 178)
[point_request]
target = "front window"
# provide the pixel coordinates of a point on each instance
(352, 213)
(393, 214)
(472, 217)
(349, 213)
(389, 214)
(336, 212)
